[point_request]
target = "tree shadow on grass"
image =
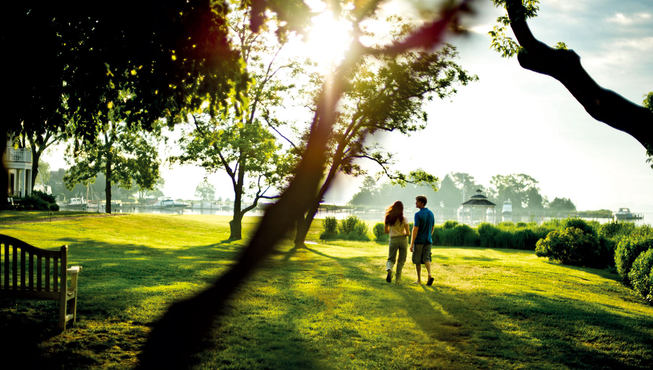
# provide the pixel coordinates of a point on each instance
(490, 330)
(116, 280)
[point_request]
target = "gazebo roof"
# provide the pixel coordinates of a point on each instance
(478, 200)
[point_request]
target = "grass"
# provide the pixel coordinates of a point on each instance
(326, 306)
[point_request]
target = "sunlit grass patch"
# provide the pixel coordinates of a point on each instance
(328, 305)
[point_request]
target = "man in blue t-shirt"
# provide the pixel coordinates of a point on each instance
(421, 240)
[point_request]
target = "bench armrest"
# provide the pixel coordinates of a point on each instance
(74, 269)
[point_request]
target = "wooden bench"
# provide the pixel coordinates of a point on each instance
(28, 272)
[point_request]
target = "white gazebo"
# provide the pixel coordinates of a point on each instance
(478, 209)
(18, 162)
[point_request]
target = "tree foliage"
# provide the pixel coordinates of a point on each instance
(385, 94)
(237, 138)
(125, 155)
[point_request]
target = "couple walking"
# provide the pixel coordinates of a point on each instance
(397, 227)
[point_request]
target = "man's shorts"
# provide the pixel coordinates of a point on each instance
(421, 253)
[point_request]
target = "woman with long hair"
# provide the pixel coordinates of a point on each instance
(397, 227)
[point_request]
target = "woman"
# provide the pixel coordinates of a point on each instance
(397, 227)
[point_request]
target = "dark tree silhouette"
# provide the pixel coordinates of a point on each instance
(564, 65)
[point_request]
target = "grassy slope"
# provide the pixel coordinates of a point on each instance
(328, 305)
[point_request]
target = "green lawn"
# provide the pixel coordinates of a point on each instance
(326, 306)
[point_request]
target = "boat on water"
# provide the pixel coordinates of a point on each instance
(75, 203)
(625, 214)
(169, 203)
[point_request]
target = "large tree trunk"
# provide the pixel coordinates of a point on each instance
(304, 224)
(564, 65)
(107, 187)
(36, 156)
(236, 225)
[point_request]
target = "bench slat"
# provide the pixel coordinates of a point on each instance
(31, 271)
(6, 266)
(47, 274)
(55, 270)
(22, 269)
(14, 267)
(39, 272)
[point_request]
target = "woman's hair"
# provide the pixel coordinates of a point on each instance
(394, 212)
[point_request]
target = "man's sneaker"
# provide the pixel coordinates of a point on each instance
(430, 281)
(389, 277)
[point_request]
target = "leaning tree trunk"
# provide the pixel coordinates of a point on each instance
(304, 224)
(183, 330)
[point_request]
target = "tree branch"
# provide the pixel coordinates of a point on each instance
(564, 65)
(267, 120)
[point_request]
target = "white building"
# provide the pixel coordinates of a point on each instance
(18, 162)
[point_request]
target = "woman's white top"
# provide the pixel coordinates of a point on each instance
(399, 228)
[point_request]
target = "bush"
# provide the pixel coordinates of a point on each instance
(39, 201)
(524, 239)
(379, 232)
(351, 228)
(487, 235)
(571, 246)
(628, 249)
(449, 224)
(641, 274)
(506, 236)
(616, 230)
(331, 225)
(455, 234)
(330, 228)
(580, 224)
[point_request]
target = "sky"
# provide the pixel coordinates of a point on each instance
(516, 121)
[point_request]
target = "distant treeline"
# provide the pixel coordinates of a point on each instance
(521, 190)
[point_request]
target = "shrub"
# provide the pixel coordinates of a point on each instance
(455, 235)
(353, 228)
(641, 274)
(449, 224)
(628, 249)
(487, 235)
(39, 201)
(524, 239)
(331, 225)
(580, 224)
(330, 228)
(506, 225)
(570, 246)
(379, 232)
(616, 230)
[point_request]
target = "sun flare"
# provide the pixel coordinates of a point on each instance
(327, 40)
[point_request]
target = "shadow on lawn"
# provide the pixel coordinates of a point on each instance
(535, 330)
(114, 279)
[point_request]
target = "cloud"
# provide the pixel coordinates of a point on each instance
(566, 6)
(630, 19)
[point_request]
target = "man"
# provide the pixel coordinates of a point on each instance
(421, 240)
